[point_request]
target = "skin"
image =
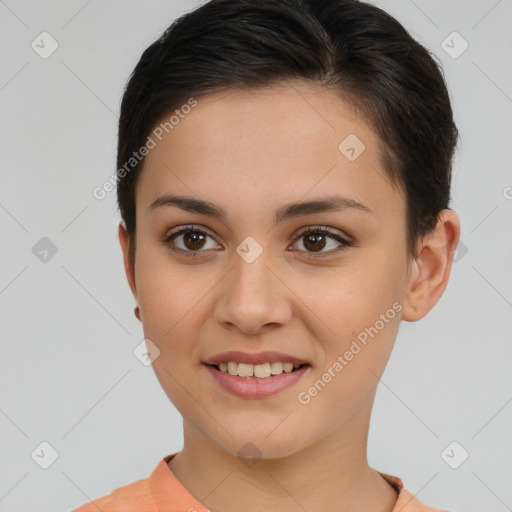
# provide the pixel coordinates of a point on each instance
(279, 144)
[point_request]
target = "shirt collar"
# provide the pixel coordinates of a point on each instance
(170, 495)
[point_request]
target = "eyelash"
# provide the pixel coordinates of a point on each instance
(320, 230)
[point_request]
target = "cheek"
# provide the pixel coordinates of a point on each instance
(348, 300)
(168, 294)
(357, 318)
(354, 358)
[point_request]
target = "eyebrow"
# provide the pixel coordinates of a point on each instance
(288, 211)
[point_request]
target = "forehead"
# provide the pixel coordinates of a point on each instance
(280, 143)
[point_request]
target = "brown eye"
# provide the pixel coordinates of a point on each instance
(193, 240)
(316, 239)
(314, 242)
(190, 240)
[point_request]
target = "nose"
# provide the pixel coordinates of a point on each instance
(253, 298)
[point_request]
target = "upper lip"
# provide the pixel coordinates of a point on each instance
(254, 358)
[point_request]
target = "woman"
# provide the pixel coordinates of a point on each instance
(284, 173)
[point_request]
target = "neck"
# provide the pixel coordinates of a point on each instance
(332, 474)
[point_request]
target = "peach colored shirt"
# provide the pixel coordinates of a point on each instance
(163, 492)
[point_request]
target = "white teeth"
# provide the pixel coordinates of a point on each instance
(287, 367)
(261, 371)
(232, 368)
(245, 370)
(276, 368)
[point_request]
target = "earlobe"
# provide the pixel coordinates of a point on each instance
(129, 266)
(430, 270)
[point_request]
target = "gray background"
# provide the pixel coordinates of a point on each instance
(68, 375)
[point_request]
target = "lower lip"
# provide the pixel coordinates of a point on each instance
(254, 387)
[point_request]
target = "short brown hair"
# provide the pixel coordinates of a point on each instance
(348, 45)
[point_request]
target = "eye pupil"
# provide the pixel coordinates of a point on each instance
(196, 239)
(193, 241)
(318, 241)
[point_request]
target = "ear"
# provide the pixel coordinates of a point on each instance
(430, 270)
(129, 264)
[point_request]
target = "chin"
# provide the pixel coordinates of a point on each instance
(256, 445)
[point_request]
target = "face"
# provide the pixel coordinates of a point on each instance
(253, 274)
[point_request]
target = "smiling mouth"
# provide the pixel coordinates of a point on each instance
(258, 371)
